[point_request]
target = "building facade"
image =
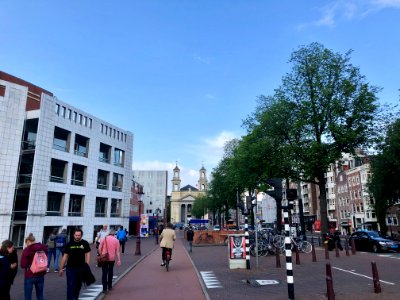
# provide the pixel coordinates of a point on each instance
(155, 189)
(60, 167)
(182, 199)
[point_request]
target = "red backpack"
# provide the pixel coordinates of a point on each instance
(39, 262)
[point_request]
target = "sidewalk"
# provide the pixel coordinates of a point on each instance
(148, 280)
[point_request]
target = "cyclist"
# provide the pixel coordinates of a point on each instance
(167, 239)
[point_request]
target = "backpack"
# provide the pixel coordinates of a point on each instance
(39, 262)
(60, 242)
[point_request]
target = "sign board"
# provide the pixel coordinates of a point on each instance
(237, 251)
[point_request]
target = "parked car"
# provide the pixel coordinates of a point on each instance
(216, 228)
(366, 240)
(179, 225)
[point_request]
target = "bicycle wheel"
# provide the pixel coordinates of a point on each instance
(167, 259)
(279, 241)
(305, 247)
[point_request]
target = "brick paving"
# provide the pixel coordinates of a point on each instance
(143, 278)
(55, 287)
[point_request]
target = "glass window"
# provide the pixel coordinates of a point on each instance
(115, 207)
(101, 207)
(117, 182)
(54, 204)
(119, 157)
(75, 205)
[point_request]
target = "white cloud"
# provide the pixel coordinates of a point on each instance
(348, 10)
(201, 59)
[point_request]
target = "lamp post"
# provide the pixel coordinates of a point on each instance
(139, 196)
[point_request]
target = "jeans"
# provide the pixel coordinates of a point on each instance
(50, 253)
(38, 282)
(59, 254)
(107, 273)
(74, 283)
(122, 244)
(190, 246)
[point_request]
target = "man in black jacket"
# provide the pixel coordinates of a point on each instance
(189, 237)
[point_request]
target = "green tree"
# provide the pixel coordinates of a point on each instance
(385, 179)
(200, 206)
(324, 107)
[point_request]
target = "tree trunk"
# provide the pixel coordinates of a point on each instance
(323, 203)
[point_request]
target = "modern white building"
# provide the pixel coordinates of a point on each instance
(155, 185)
(60, 167)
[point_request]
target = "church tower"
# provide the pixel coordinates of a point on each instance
(203, 183)
(176, 180)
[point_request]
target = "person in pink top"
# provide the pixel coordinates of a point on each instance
(109, 244)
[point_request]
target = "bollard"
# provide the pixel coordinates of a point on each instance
(314, 257)
(297, 256)
(156, 236)
(319, 240)
(353, 247)
(346, 246)
(375, 276)
(277, 256)
(337, 251)
(329, 283)
(326, 252)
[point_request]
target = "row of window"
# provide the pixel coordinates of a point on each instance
(112, 132)
(61, 141)
(59, 168)
(73, 116)
(55, 205)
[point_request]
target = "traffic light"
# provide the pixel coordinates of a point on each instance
(276, 192)
(291, 194)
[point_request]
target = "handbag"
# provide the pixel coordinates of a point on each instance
(103, 258)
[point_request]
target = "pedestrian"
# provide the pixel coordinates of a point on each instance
(167, 239)
(76, 255)
(121, 236)
(110, 245)
(337, 241)
(189, 237)
(101, 234)
(61, 242)
(51, 245)
(32, 279)
(8, 268)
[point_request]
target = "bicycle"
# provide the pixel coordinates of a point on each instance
(167, 258)
(301, 245)
(208, 238)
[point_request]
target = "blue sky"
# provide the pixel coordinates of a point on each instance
(182, 75)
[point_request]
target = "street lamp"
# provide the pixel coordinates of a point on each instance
(139, 197)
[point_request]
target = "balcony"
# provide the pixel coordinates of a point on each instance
(57, 179)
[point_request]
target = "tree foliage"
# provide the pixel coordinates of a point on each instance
(385, 168)
(324, 107)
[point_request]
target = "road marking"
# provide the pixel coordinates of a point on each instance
(389, 256)
(210, 280)
(361, 275)
(92, 291)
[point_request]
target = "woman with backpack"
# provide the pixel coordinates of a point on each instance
(32, 277)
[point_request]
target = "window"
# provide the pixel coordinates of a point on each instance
(119, 157)
(58, 170)
(61, 139)
(81, 145)
(85, 121)
(57, 110)
(117, 183)
(78, 175)
(104, 153)
(116, 207)
(63, 110)
(75, 206)
(101, 207)
(54, 204)
(90, 123)
(74, 116)
(68, 114)
(102, 180)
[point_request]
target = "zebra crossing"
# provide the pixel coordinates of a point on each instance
(210, 280)
(92, 291)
